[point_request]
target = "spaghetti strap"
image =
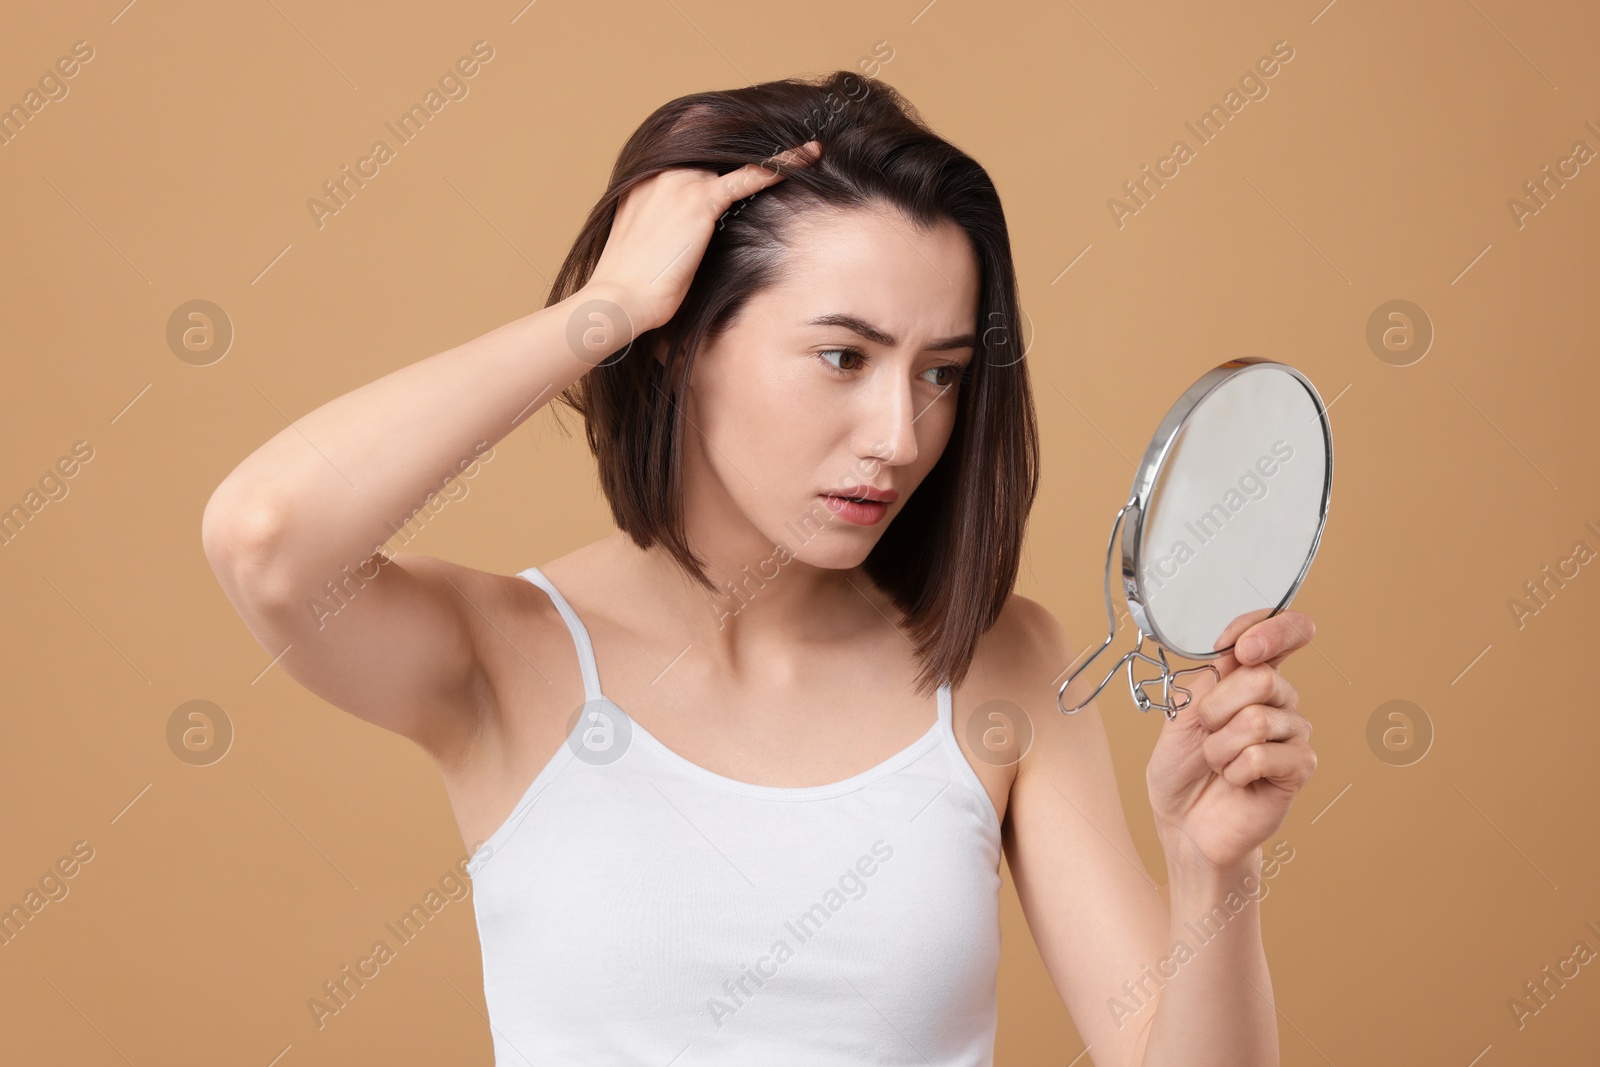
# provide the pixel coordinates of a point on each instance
(580, 635)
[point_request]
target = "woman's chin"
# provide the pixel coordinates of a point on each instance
(832, 551)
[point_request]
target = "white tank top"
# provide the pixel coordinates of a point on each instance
(637, 908)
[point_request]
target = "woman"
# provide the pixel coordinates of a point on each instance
(742, 772)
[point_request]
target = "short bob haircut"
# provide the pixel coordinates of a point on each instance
(950, 558)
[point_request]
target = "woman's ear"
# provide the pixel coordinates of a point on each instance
(658, 349)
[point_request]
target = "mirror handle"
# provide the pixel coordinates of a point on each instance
(1168, 675)
(1111, 630)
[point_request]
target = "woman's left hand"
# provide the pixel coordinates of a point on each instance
(1226, 769)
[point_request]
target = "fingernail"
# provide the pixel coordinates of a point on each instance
(1251, 647)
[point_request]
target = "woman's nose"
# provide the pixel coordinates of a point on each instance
(892, 425)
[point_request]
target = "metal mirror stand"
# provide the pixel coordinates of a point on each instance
(1135, 687)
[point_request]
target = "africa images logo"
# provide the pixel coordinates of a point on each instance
(851, 885)
(1205, 129)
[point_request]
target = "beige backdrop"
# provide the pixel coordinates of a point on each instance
(208, 903)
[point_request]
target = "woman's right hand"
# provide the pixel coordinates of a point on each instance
(663, 227)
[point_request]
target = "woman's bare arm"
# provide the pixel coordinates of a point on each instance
(302, 519)
(314, 504)
(1141, 987)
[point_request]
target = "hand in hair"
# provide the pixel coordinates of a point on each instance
(665, 223)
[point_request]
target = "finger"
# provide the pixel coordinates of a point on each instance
(1285, 763)
(1280, 632)
(1254, 725)
(799, 156)
(753, 177)
(1254, 683)
(1239, 626)
(1273, 639)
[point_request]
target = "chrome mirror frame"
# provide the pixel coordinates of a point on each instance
(1130, 518)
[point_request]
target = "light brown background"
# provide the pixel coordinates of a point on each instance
(1419, 899)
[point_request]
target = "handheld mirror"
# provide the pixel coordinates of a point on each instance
(1225, 516)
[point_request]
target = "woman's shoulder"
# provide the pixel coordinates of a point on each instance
(512, 621)
(1022, 659)
(1025, 639)
(593, 563)
(1011, 685)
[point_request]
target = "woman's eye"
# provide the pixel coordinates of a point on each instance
(844, 353)
(951, 371)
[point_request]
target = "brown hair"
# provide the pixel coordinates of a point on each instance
(950, 558)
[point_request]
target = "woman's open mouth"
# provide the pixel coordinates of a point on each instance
(858, 510)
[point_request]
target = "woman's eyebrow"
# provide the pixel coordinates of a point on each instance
(878, 335)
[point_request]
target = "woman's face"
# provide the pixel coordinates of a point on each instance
(841, 377)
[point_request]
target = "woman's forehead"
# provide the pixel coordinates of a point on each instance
(886, 272)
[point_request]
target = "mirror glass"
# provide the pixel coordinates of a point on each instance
(1235, 512)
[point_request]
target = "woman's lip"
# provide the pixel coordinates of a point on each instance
(867, 514)
(867, 492)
